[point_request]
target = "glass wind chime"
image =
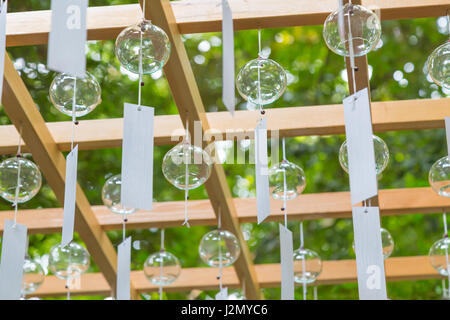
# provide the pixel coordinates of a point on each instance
(20, 181)
(438, 63)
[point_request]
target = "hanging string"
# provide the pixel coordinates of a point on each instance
(315, 293)
(69, 273)
(124, 221)
(74, 108)
(302, 244)
(351, 49)
(141, 82)
(261, 112)
(161, 265)
(284, 186)
(186, 177)
(143, 10)
(18, 185)
(219, 227)
(444, 217)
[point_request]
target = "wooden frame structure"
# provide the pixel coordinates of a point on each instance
(46, 141)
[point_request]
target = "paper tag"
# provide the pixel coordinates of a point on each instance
(67, 39)
(262, 171)
(70, 197)
(361, 154)
(13, 256)
(287, 264)
(123, 270)
(228, 77)
(4, 9)
(223, 294)
(369, 253)
(137, 157)
(447, 129)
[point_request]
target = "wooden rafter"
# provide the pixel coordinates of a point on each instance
(269, 275)
(193, 16)
(21, 109)
(307, 207)
(288, 122)
(180, 76)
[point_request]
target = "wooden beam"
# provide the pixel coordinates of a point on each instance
(193, 16)
(185, 92)
(291, 122)
(313, 206)
(22, 111)
(269, 275)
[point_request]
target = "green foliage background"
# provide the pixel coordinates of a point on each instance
(314, 79)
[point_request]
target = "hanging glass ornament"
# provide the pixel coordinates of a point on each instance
(437, 255)
(162, 268)
(69, 262)
(365, 30)
(307, 266)
(295, 180)
(219, 245)
(30, 179)
(387, 243)
(33, 276)
(155, 46)
(111, 195)
(269, 74)
(174, 166)
(236, 295)
(88, 94)
(381, 155)
(439, 176)
(438, 65)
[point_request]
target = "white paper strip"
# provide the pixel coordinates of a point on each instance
(70, 197)
(4, 9)
(228, 77)
(137, 157)
(447, 129)
(222, 295)
(13, 256)
(287, 264)
(123, 270)
(262, 171)
(67, 39)
(361, 154)
(369, 253)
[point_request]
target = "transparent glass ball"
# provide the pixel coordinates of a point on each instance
(219, 245)
(69, 262)
(295, 180)
(381, 155)
(155, 47)
(387, 243)
(439, 65)
(174, 166)
(30, 179)
(439, 176)
(111, 195)
(365, 27)
(88, 94)
(437, 255)
(162, 268)
(272, 79)
(310, 261)
(33, 276)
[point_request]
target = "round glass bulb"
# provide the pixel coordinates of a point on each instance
(365, 29)
(439, 176)
(437, 255)
(387, 243)
(88, 94)
(33, 276)
(310, 261)
(381, 155)
(174, 166)
(269, 74)
(162, 268)
(155, 46)
(439, 65)
(30, 179)
(219, 245)
(69, 262)
(295, 180)
(111, 195)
